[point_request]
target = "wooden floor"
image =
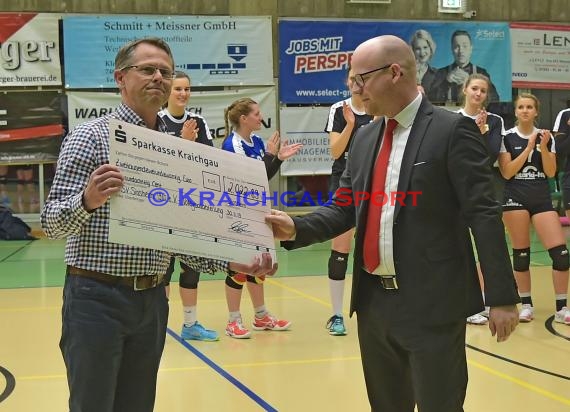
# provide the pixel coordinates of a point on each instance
(303, 369)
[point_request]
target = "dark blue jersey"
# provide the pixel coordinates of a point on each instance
(531, 175)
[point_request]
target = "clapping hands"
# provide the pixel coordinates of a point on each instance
(284, 150)
(190, 130)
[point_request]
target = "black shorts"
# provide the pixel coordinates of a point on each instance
(539, 202)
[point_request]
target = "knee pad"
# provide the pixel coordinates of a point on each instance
(169, 272)
(560, 258)
(521, 259)
(256, 279)
(189, 277)
(338, 262)
(236, 281)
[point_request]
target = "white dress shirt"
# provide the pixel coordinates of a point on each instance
(405, 120)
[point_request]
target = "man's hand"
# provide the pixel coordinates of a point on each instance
(103, 182)
(260, 266)
(502, 321)
(457, 76)
(283, 226)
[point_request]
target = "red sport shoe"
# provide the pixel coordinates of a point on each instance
(236, 330)
(270, 322)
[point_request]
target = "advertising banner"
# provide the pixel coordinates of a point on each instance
(314, 56)
(307, 126)
(540, 56)
(84, 106)
(31, 127)
(212, 50)
(29, 50)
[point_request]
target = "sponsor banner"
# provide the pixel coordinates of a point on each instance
(29, 50)
(314, 55)
(213, 50)
(540, 56)
(30, 127)
(306, 125)
(83, 106)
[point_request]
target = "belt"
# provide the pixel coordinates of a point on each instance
(133, 282)
(388, 282)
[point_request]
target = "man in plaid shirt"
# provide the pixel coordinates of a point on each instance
(115, 309)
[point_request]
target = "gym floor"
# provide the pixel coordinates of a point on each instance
(304, 369)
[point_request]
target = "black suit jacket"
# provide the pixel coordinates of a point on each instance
(446, 160)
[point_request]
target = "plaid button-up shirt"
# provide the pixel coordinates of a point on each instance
(84, 150)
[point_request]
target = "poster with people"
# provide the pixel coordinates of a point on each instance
(315, 54)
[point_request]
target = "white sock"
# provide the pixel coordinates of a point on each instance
(234, 316)
(190, 315)
(260, 311)
(337, 294)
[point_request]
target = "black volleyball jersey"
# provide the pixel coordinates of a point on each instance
(336, 123)
(531, 173)
(174, 125)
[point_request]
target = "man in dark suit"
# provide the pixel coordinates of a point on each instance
(412, 306)
(448, 82)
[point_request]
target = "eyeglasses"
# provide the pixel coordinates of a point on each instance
(149, 71)
(359, 78)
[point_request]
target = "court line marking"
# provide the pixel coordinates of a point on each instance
(19, 249)
(519, 382)
(548, 325)
(481, 366)
(248, 392)
(514, 362)
(10, 383)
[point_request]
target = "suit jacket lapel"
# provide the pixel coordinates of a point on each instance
(419, 127)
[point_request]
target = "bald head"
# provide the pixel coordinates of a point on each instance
(399, 89)
(387, 49)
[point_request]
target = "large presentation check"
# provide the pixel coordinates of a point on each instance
(186, 197)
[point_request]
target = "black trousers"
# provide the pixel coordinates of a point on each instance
(406, 362)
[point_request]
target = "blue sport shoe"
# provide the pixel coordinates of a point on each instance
(198, 332)
(335, 325)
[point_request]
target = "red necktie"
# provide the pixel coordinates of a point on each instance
(372, 234)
